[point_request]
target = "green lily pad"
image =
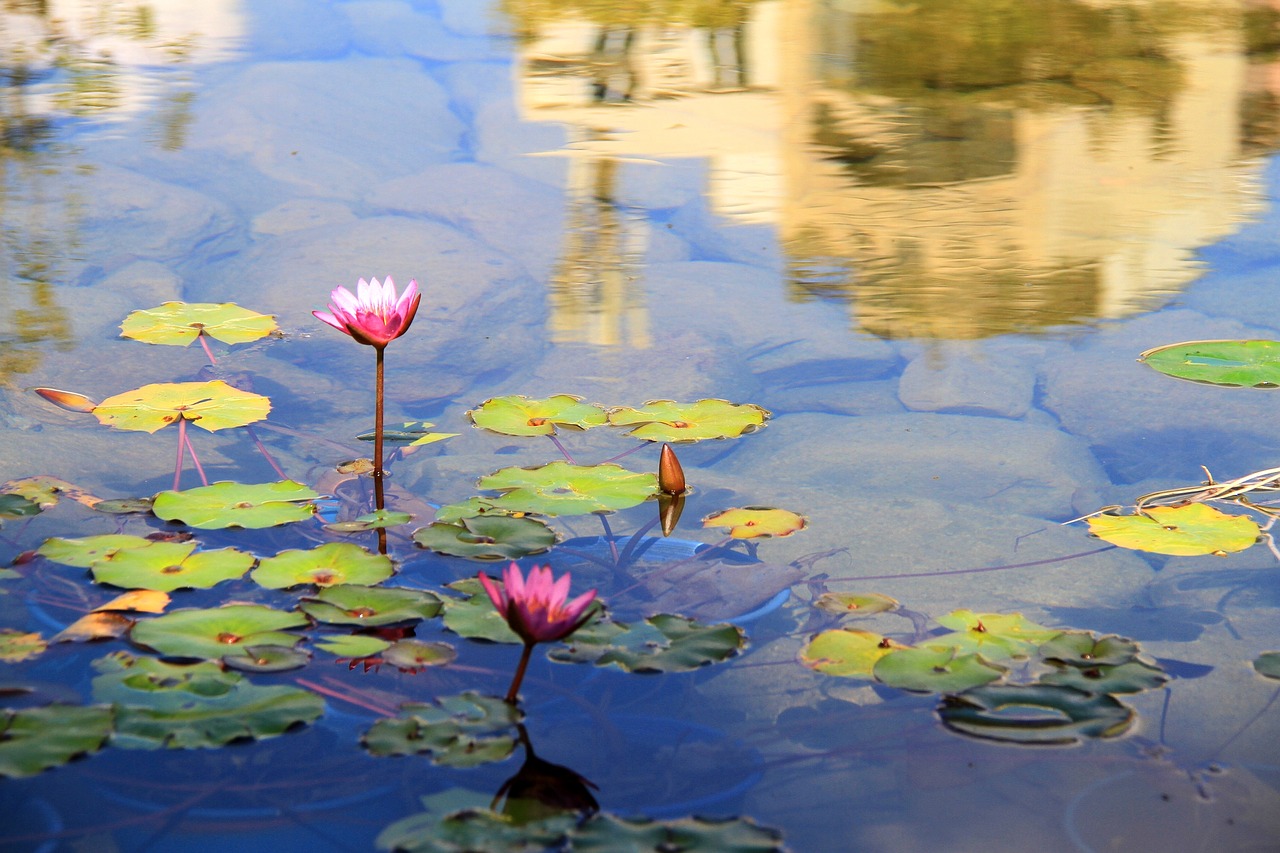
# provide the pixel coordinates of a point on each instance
(1268, 664)
(854, 603)
(375, 520)
(1132, 677)
(266, 659)
(474, 616)
(17, 506)
(756, 522)
(661, 643)
(456, 731)
(231, 504)
(559, 488)
(666, 420)
(350, 604)
(934, 671)
(353, 645)
(327, 565)
(1248, 364)
(414, 655)
(124, 506)
(1183, 531)
(210, 634)
(1083, 648)
(209, 405)
(517, 415)
(195, 706)
(166, 566)
(846, 652)
(474, 829)
(470, 508)
(1034, 714)
(487, 537)
(87, 550)
(180, 323)
(35, 739)
(994, 635)
(603, 833)
(16, 646)
(410, 433)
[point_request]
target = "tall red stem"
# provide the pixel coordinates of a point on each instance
(378, 498)
(519, 676)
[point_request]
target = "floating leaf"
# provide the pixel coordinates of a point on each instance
(1268, 664)
(846, 652)
(18, 646)
(1082, 648)
(605, 832)
(372, 521)
(231, 504)
(471, 507)
(266, 659)
(487, 537)
(474, 616)
(16, 506)
(661, 643)
(1034, 714)
(327, 565)
(212, 633)
(87, 550)
(413, 655)
(35, 739)
(94, 626)
(47, 491)
(412, 433)
(666, 420)
(456, 731)
(180, 323)
(1182, 531)
(1132, 677)
(934, 671)
(124, 506)
(166, 566)
(996, 635)
(209, 405)
(855, 603)
(559, 488)
(353, 645)
(369, 606)
(1249, 364)
(195, 706)
(137, 601)
(517, 415)
(474, 830)
(755, 522)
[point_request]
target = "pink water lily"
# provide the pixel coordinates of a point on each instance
(372, 315)
(538, 609)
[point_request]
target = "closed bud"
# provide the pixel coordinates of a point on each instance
(670, 474)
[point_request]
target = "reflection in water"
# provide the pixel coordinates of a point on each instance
(540, 789)
(65, 63)
(950, 169)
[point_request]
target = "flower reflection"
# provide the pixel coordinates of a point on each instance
(540, 789)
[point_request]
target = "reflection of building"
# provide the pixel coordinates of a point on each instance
(1067, 171)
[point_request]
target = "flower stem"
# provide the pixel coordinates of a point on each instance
(519, 676)
(182, 448)
(378, 497)
(191, 448)
(204, 342)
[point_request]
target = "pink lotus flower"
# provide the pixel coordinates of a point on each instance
(538, 609)
(373, 315)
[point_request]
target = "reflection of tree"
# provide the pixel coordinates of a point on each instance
(592, 292)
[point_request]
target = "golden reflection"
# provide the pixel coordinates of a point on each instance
(948, 168)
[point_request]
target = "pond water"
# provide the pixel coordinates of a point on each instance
(930, 239)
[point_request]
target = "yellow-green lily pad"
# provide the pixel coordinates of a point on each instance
(16, 646)
(1183, 531)
(846, 652)
(456, 731)
(212, 633)
(410, 433)
(473, 616)
(353, 645)
(84, 551)
(560, 488)
(487, 537)
(518, 415)
(371, 606)
(1131, 677)
(375, 520)
(231, 504)
(35, 739)
(855, 603)
(266, 659)
(661, 643)
(756, 522)
(180, 323)
(1247, 364)
(326, 565)
(209, 405)
(412, 655)
(17, 506)
(1083, 648)
(667, 420)
(994, 635)
(934, 671)
(166, 566)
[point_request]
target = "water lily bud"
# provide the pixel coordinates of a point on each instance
(670, 474)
